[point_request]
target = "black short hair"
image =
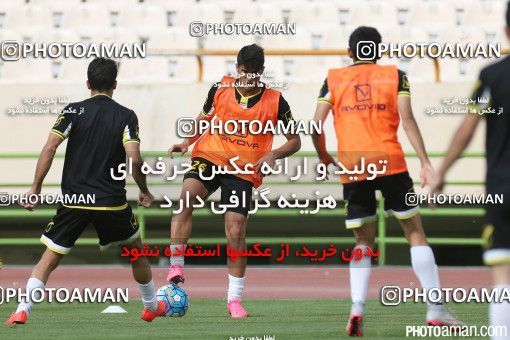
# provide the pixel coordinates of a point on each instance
(508, 14)
(251, 57)
(364, 33)
(102, 73)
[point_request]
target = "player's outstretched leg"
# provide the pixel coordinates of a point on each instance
(359, 274)
(425, 268)
(143, 276)
(48, 262)
(499, 311)
(235, 228)
(180, 228)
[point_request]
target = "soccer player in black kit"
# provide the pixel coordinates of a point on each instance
(100, 134)
(494, 85)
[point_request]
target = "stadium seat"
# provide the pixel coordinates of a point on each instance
(331, 36)
(37, 17)
(308, 13)
(464, 34)
(272, 66)
(314, 69)
(158, 68)
(374, 13)
(483, 13)
(462, 70)
(385, 60)
(227, 42)
(73, 69)
(181, 13)
(5, 9)
(259, 13)
(460, 10)
(215, 67)
(116, 4)
(113, 35)
(50, 3)
(28, 70)
(171, 39)
(425, 13)
(48, 36)
(305, 69)
(404, 34)
(149, 17)
(418, 69)
(81, 15)
(301, 40)
(6, 34)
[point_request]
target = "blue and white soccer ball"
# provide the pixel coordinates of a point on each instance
(175, 298)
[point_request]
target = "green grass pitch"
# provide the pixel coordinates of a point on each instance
(208, 319)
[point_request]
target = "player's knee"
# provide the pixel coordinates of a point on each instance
(183, 216)
(137, 243)
(51, 259)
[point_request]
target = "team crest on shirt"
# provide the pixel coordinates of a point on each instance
(49, 226)
(134, 222)
(59, 120)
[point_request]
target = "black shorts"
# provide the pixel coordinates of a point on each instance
(230, 185)
(361, 204)
(496, 233)
(112, 227)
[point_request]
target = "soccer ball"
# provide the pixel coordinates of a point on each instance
(175, 298)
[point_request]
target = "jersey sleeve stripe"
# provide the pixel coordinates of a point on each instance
(324, 100)
(58, 133)
(131, 141)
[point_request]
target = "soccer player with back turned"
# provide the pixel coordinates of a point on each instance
(232, 99)
(100, 133)
(366, 100)
(493, 83)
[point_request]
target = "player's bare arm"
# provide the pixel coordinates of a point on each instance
(43, 166)
(319, 139)
(413, 133)
(291, 146)
(183, 146)
(458, 144)
(133, 152)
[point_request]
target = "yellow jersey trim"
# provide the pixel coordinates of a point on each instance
(131, 141)
(245, 98)
(120, 207)
(100, 94)
(324, 100)
(58, 133)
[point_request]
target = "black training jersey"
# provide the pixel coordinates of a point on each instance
(492, 98)
(97, 129)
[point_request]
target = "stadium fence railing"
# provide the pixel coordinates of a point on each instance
(142, 214)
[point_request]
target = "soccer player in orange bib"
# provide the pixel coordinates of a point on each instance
(366, 100)
(232, 99)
